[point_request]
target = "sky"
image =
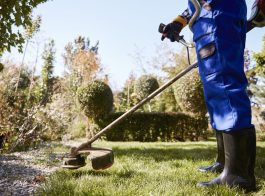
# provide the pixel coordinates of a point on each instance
(122, 27)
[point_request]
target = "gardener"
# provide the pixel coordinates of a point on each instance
(220, 34)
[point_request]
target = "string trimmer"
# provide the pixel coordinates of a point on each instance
(103, 158)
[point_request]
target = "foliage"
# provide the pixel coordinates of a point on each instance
(36, 108)
(33, 28)
(78, 129)
(30, 31)
(146, 127)
(14, 105)
(260, 60)
(46, 80)
(149, 169)
(144, 86)
(125, 99)
(189, 94)
(175, 62)
(188, 90)
(82, 62)
(166, 101)
(25, 122)
(256, 76)
(96, 99)
(258, 119)
(18, 14)
(55, 118)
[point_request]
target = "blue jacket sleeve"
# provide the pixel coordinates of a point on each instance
(211, 2)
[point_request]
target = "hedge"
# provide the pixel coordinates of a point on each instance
(150, 127)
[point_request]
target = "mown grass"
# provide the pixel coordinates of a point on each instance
(149, 169)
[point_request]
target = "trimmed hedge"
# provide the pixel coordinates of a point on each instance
(149, 127)
(144, 86)
(96, 99)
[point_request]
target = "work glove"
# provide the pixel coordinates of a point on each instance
(172, 30)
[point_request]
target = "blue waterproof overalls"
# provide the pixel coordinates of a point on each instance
(220, 34)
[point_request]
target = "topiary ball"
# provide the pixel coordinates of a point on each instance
(145, 85)
(189, 95)
(96, 99)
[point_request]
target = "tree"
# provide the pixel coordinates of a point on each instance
(13, 104)
(82, 61)
(125, 99)
(144, 86)
(18, 14)
(45, 91)
(30, 31)
(188, 90)
(260, 60)
(257, 73)
(166, 101)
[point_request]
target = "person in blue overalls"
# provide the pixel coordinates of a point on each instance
(220, 34)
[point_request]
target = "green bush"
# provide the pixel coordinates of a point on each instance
(96, 99)
(144, 86)
(149, 127)
(15, 108)
(189, 94)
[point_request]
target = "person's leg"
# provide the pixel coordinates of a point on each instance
(229, 107)
(240, 150)
(218, 166)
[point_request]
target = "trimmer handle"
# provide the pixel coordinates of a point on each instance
(179, 39)
(161, 29)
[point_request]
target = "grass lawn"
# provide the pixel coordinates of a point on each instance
(149, 169)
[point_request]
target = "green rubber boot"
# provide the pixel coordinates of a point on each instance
(240, 156)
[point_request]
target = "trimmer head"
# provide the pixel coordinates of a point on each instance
(101, 158)
(74, 162)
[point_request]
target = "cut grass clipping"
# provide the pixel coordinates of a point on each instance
(149, 169)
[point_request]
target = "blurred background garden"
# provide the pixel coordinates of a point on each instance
(39, 105)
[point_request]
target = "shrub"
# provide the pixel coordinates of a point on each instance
(149, 127)
(145, 85)
(15, 108)
(189, 94)
(96, 99)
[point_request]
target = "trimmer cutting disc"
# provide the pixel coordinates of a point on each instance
(101, 158)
